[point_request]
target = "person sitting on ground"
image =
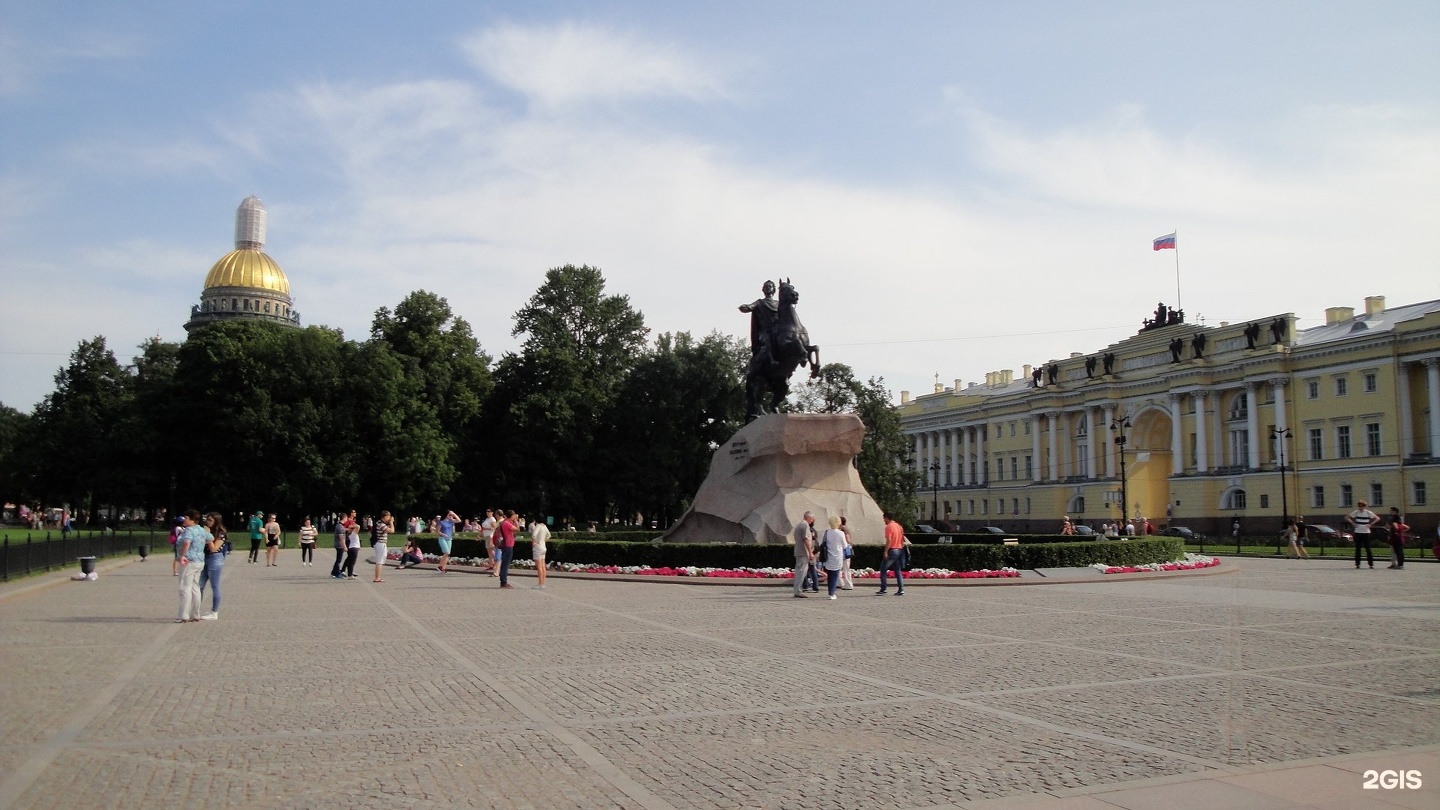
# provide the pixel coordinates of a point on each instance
(410, 555)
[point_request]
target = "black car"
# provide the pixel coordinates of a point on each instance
(1182, 532)
(989, 530)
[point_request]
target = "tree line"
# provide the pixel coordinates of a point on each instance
(588, 420)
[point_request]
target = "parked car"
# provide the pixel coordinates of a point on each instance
(1183, 532)
(990, 530)
(926, 528)
(1085, 530)
(1326, 534)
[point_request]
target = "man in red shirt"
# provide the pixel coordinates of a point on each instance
(894, 556)
(507, 546)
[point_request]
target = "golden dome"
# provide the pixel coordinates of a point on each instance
(248, 267)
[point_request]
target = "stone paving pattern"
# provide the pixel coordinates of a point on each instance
(437, 690)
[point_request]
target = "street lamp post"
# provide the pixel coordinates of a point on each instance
(1280, 436)
(1121, 425)
(934, 491)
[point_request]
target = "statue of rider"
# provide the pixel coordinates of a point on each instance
(763, 313)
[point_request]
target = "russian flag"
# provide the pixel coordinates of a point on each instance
(1166, 242)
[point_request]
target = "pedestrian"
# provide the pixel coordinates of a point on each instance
(342, 531)
(308, 533)
(804, 538)
(487, 533)
(1361, 520)
(256, 527)
(411, 555)
(174, 545)
(193, 538)
(379, 534)
(352, 548)
(215, 554)
(1235, 529)
(1066, 527)
(1292, 536)
(507, 528)
(1398, 530)
(847, 581)
(445, 528)
(894, 556)
(272, 542)
(832, 554)
(539, 536)
(1129, 528)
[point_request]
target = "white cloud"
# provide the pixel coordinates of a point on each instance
(445, 190)
(565, 64)
(27, 58)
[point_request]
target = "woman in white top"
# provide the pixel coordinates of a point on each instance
(847, 582)
(833, 554)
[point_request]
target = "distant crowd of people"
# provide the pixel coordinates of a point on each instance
(201, 546)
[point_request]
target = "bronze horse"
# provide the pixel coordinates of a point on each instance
(787, 346)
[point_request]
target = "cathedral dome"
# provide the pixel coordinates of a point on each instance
(248, 268)
(245, 283)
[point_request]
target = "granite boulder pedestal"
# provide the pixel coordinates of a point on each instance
(774, 470)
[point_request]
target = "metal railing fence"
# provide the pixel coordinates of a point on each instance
(51, 550)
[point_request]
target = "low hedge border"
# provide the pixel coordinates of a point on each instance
(956, 557)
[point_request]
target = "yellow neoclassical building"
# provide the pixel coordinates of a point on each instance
(1200, 419)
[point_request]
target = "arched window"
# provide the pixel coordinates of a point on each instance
(1077, 505)
(1240, 406)
(267, 306)
(1233, 498)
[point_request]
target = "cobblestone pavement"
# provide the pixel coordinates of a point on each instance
(1276, 686)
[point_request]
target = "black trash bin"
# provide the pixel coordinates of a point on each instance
(87, 565)
(144, 551)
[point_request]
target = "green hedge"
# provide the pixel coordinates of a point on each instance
(927, 539)
(956, 557)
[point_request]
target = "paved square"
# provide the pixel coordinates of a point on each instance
(1278, 685)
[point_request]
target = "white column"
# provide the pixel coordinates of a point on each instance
(932, 475)
(981, 445)
(1252, 424)
(1432, 384)
(1053, 421)
(1092, 466)
(1202, 446)
(1034, 448)
(953, 478)
(1219, 439)
(1177, 450)
(965, 456)
(1277, 389)
(1110, 467)
(1402, 390)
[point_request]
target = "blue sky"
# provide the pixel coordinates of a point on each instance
(954, 188)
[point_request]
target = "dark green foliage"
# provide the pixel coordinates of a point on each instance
(884, 456)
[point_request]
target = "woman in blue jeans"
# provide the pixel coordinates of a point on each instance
(214, 564)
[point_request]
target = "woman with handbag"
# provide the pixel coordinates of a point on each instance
(832, 554)
(847, 582)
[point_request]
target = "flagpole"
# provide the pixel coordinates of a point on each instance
(1177, 270)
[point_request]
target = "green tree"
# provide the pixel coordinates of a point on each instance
(551, 399)
(407, 461)
(15, 468)
(146, 453)
(77, 430)
(884, 459)
(446, 370)
(272, 413)
(680, 401)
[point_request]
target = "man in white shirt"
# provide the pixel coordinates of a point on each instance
(1361, 521)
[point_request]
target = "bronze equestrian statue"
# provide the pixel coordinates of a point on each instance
(778, 344)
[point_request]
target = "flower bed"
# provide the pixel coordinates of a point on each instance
(768, 573)
(1189, 563)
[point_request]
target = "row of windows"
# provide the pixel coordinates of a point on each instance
(244, 305)
(969, 507)
(1373, 444)
(1418, 495)
(1369, 382)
